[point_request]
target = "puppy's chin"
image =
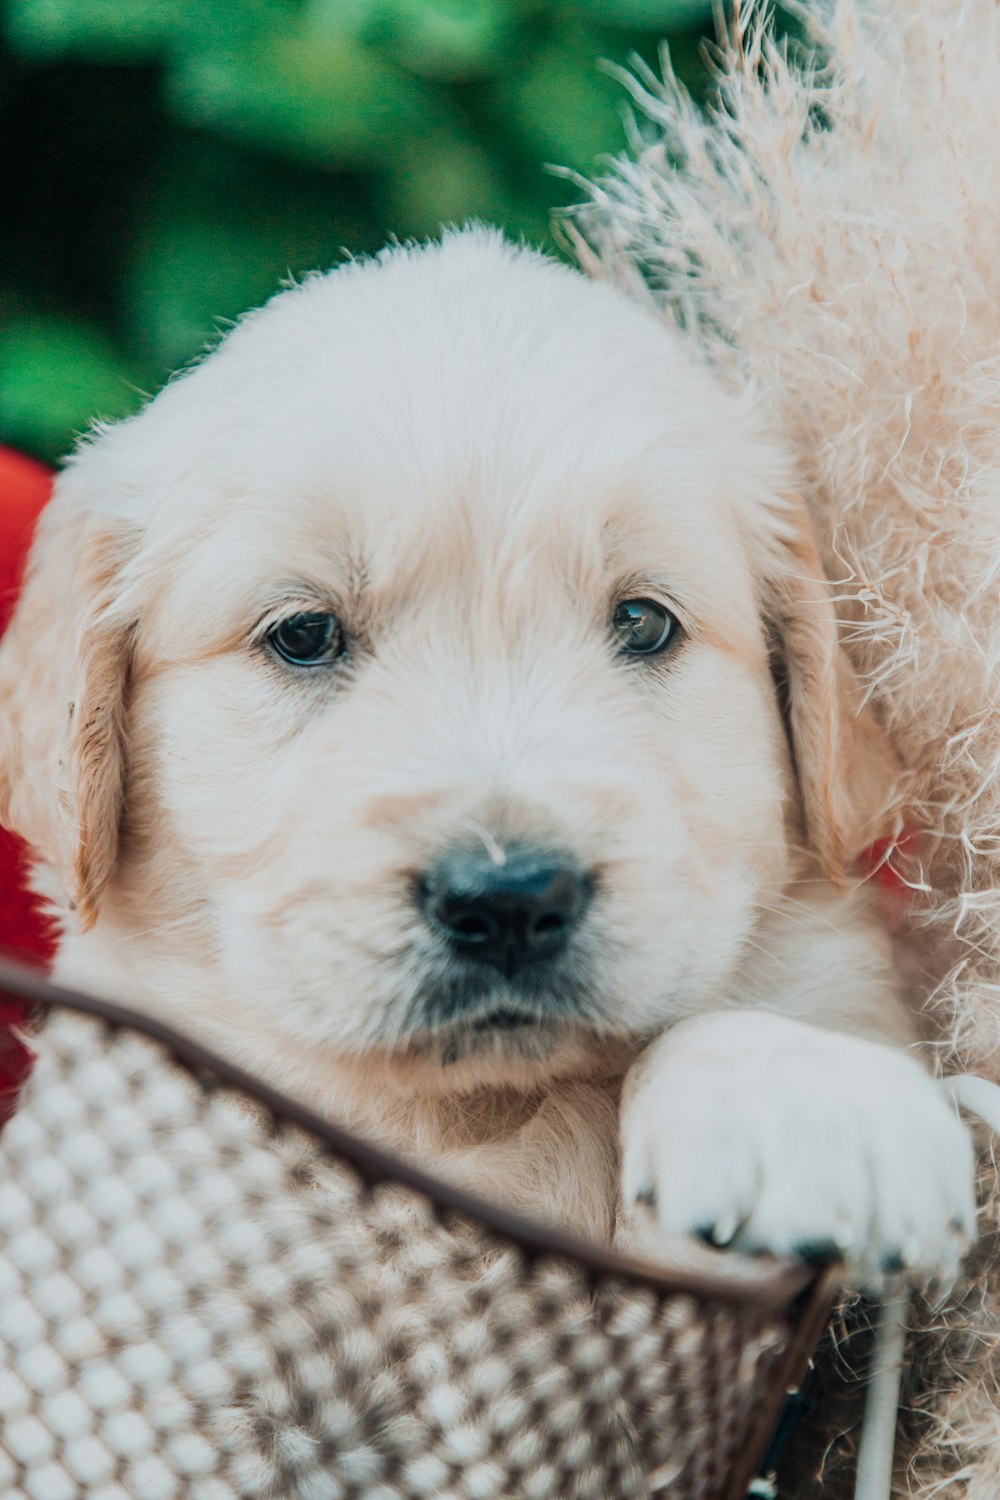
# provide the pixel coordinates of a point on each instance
(504, 1050)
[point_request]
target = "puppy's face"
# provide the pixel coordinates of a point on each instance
(450, 736)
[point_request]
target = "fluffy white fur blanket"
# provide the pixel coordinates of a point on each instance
(831, 236)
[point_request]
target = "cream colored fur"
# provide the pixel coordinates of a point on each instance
(831, 239)
(470, 454)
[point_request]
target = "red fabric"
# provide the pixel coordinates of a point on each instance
(25, 486)
(877, 861)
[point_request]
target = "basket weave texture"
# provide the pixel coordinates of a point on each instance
(201, 1298)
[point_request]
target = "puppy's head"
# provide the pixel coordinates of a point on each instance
(400, 681)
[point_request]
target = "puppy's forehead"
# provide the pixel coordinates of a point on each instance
(443, 410)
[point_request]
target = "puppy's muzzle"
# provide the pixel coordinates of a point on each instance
(509, 912)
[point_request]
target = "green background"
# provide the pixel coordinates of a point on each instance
(167, 162)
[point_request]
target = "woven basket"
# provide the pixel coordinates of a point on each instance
(207, 1292)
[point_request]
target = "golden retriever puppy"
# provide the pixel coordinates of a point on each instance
(432, 701)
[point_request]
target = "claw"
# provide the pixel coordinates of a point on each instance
(909, 1250)
(724, 1230)
(819, 1253)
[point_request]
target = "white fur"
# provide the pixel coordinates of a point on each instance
(471, 454)
(815, 1146)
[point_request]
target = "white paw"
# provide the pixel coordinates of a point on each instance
(771, 1136)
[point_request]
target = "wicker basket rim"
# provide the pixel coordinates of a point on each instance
(703, 1273)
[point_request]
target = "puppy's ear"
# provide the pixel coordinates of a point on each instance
(64, 664)
(848, 776)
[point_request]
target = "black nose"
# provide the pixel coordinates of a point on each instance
(508, 914)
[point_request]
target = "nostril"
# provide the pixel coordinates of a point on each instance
(551, 922)
(471, 929)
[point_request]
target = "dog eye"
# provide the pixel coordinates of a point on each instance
(308, 639)
(641, 627)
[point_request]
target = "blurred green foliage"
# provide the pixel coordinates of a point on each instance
(167, 162)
